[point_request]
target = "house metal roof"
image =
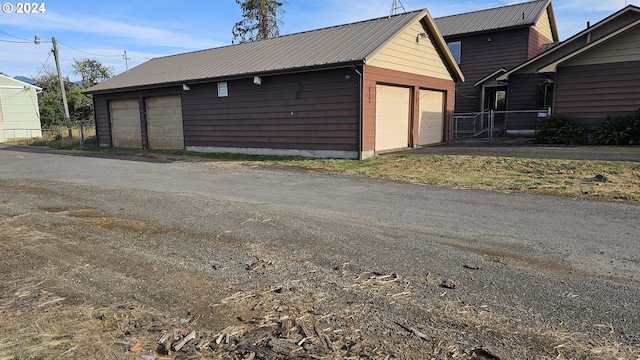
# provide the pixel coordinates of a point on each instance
(332, 46)
(518, 15)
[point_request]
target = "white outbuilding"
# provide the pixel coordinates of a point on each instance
(19, 111)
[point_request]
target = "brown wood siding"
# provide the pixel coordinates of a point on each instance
(522, 92)
(304, 111)
(481, 57)
(101, 116)
(536, 40)
(101, 110)
(374, 75)
(589, 93)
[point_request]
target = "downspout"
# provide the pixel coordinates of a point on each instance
(95, 119)
(360, 104)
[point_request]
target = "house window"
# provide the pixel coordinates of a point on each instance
(222, 89)
(456, 49)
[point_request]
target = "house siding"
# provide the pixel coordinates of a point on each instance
(623, 48)
(588, 93)
(480, 57)
(536, 40)
(374, 75)
(569, 47)
(543, 26)
(304, 111)
(406, 54)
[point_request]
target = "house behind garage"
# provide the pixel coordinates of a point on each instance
(489, 42)
(19, 111)
(592, 74)
(349, 91)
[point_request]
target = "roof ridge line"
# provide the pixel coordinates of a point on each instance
(298, 33)
(490, 9)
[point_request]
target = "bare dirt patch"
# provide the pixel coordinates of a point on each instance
(81, 281)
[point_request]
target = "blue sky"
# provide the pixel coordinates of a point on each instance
(152, 28)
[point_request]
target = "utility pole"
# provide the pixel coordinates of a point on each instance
(67, 118)
(126, 62)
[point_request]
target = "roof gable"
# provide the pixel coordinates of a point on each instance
(11, 82)
(602, 42)
(500, 18)
(338, 45)
(583, 39)
(418, 49)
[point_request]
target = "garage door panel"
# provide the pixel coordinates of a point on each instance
(392, 117)
(164, 122)
(431, 123)
(125, 123)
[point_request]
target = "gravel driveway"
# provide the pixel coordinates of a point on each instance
(381, 269)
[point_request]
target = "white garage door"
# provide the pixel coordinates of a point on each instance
(392, 117)
(125, 123)
(431, 125)
(164, 122)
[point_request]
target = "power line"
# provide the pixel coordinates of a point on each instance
(16, 41)
(88, 53)
(43, 65)
(13, 36)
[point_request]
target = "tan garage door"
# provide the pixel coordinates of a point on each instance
(392, 117)
(125, 123)
(164, 122)
(431, 125)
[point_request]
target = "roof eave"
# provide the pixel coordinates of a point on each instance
(456, 73)
(553, 67)
(552, 21)
(344, 64)
(506, 28)
(505, 76)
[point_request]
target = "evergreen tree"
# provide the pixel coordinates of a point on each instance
(260, 20)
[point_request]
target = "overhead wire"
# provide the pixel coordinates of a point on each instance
(88, 53)
(13, 36)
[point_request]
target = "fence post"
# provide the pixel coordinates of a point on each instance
(81, 126)
(491, 123)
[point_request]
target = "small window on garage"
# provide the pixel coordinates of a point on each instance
(222, 89)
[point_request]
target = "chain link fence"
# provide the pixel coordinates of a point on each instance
(490, 125)
(83, 131)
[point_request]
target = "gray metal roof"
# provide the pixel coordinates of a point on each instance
(525, 14)
(316, 48)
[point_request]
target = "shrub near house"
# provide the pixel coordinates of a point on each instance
(619, 130)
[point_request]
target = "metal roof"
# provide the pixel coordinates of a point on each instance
(525, 14)
(343, 44)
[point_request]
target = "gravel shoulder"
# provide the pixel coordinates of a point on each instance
(290, 264)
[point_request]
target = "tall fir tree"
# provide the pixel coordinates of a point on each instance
(260, 20)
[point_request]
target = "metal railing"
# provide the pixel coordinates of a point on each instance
(488, 125)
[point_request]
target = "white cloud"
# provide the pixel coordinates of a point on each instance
(128, 34)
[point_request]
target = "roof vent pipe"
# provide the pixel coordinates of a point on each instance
(588, 24)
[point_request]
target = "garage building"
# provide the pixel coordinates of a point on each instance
(348, 91)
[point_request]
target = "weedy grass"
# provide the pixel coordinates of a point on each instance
(574, 178)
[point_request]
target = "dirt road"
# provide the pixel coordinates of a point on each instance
(275, 263)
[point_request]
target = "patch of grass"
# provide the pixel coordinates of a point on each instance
(574, 178)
